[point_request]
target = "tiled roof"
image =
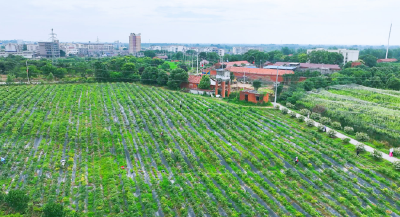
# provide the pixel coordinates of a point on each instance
(317, 66)
(238, 63)
(194, 79)
(387, 60)
(260, 71)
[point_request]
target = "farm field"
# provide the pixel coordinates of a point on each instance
(370, 110)
(130, 150)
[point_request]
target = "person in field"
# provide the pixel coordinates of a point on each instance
(296, 161)
(357, 151)
(3, 160)
(391, 152)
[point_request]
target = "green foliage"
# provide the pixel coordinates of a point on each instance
(348, 130)
(304, 112)
(176, 77)
(369, 60)
(149, 53)
(363, 137)
(290, 105)
(360, 147)
(310, 123)
(53, 210)
(325, 57)
(315, 116)
(325, 120)
(17, 200)
(10, 78)
(284, 111)
(346, 140)
(149, 75)
(50, 77)
(301, 118)
(204, 82)
(165, 66)
(162, 78)
(331, 133)
(377, 154)
(337, 125)
(257, 84)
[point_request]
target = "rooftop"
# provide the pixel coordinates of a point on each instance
(281, 67)
(195, 79)
(260, 71)
(387, 60)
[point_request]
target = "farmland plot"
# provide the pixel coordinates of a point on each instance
(370, 110)
(132, 150)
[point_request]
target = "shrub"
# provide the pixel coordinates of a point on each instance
(301, 118)
(321, 128)
(310, 123)
(349, 130)
(360, 147)
(17, 200)
(396, 165)
(284, 111)
(346, 140)
(315, 116)
(362, 136)
(53, 210)
(276, 107)
(292, 114)
(325, 120)
(289, 105)
(377, 154)
(336, 125)
(396, 151)
(331, 133)
(305, 112)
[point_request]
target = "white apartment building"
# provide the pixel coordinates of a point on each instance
(155, 48)
(348, 55)
(32, 47)
(13, 48)
(178, 48)
(26, 54)
(221, 52)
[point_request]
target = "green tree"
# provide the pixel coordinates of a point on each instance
(62, 53)
(369, 60)
(53, 210)
(212, 57)
(257, 84)
(394, 83)
(149, 53)
(48, 68)
(50, 77)
(17, 200)
(162, 78)
(176, 77)
(149, 75)
(60, 72)
(202, 55)
(128, 70)
(10, 78)
(205, 82)
(165, 66)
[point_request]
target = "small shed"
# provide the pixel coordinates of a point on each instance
(253, 96)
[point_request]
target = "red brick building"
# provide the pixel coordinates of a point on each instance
(256, 73)
(194, 81)
(253, 96)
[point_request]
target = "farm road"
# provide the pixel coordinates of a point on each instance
(342, 136)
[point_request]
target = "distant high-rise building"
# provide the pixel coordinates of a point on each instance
(49, 49)
(134, 43)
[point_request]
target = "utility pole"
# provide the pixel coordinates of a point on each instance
(52, 46)
(387, 49)
(27, 71)
(276, 83)
(197, 65)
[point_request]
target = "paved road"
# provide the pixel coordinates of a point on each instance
(352, 141)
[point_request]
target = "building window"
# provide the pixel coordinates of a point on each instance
(257, 98)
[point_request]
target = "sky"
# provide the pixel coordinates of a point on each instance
(347, 22)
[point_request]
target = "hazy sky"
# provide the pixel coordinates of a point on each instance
(207, 21)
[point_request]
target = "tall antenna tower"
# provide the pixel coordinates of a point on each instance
(53, 38)
(387, 49)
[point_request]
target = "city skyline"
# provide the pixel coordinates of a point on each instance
(218, 22)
